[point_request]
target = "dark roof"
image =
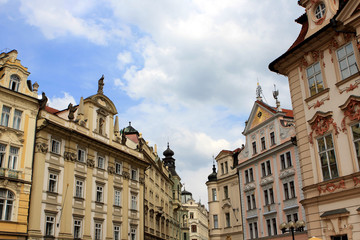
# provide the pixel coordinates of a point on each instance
(333, 212)
(213, 176)
(130, 130)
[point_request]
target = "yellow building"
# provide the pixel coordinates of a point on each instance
(88, 180)
(19, 108)
(161, 221)
(322, 67)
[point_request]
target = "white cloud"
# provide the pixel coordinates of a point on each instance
(61, 103)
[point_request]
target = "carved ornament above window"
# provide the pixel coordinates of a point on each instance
(351, 109)
(321, 123)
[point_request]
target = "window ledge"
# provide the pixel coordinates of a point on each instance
(52, 193)
(99, 203)
(348, 79)
(79, 198)
(326, 90)
(117, 206)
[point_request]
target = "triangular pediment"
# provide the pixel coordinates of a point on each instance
(223, 153)
(350, 12)
(261, 112)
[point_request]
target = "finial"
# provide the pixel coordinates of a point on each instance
(276, 94)
(129, 123)
(101, 85)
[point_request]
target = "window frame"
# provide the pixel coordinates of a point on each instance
(326, 151)
(346, 57)
(226, 192)
(117, 197)
(97, 231)
(14, 82)
(134, 174)
(13, 158)
(52, 183)
(5, 116)
(117, 232)
(263, 144)
(81, 155)
(7, 204)
(356, 143)
(79, 188)
(216, 221)
(99, 197)
(77, 228)
(214, 194)
(2, 155)
(118, 167)
(55, 146)
(100, 164)
(50, 225)
(134, 203)
(272, 138)
(314, 76)
(17, 119)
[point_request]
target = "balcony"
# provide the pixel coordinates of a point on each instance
(9, 173)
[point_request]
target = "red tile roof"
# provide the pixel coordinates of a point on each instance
(51, 110)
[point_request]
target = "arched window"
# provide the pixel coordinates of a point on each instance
(6, 203)
(14, 83)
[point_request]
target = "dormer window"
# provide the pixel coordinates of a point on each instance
(14, 83)
(320, 11)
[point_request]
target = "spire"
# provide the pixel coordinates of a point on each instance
(213, 175)
(258, 92)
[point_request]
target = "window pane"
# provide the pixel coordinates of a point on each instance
(341, 53)
(321, 144)
(329, 142)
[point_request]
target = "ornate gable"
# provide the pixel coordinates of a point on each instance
(259, 114)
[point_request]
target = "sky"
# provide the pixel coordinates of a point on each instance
(183, 72)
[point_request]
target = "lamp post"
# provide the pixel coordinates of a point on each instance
(292, 227)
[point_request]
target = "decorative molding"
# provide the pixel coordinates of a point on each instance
(319, 103)
(320, 124)
(90, 163)
(70, 156)
(111, 169)
(267, 180)
(41, 147)
(249, 187)
(351, 109)
(287, 173)
(356, 181)
(126, 175)
(331, 187)
(142, 180)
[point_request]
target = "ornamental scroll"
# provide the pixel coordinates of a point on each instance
(351, 110)
(320, 124)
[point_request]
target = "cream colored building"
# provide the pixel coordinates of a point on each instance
(269, 173)
(322, 67)
(88, 180)
(19, 108)
(161, 215)
(197, 218)
(225, 221)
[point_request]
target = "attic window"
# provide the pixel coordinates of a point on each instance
(320, 11)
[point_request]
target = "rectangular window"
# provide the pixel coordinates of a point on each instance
(226, 167)
(52, 182)
(101, 162)
(249, 176)
(253, 230)
(254, 148)
(289, 190)
(79, 188)
(49, 226)
(272, 138)
(81, 155)
(222, 168)
(116, 232)
(99, 193)
(55, 146)
(191, 215)
(249, 202)
(292, 189)
(13, 157)
(327, 157)
(2, 155)
(227, 218)
(118, 167)
(193, 228)
(133, 174)
(5, 116)
(77, 229)
(266, 168)
(214, 197)
(286, 191)
(263, 169)
(253, 201)
(288, 159)
(226, 192)
(285, 160)
(269, 196)
(274, 225)
(356, 136)
(133, 233)
(347, 61)
(216, 223)
(263, 144)
(314, 77)
(98, 231)
(17, 119)
(117, 197)
(133, 202)
(268, 223)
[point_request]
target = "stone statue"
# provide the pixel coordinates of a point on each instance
(101, 85)
(72, 110)
(43, 101)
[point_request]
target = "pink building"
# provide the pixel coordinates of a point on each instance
(269, 173)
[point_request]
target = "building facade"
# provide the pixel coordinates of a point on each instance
(225, 221)
(197, 218)
(88, 180)
(19, 109)
(322, 67)
(161, 221)
(269, 173)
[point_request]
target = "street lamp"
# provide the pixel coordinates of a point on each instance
(292, 227)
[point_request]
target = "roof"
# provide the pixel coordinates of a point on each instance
(287, 112)
(336, 211)
(51, 110)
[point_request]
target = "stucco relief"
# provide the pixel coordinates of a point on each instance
(14, 135)
(351, 111)
(70, 156)
(267, 180)
(331, 187)
(287, 173)
(320, 124)
(249, 187)
(111, 169)
(338, 225)
(351, 87)
(126, 175)
(41, 147)
(90, 163)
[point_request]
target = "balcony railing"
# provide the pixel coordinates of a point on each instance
(9, 173)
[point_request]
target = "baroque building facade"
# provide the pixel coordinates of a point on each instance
(269, 173)
(88, 180)
(161, 209)
(197, 217)
(322, 67)
(225, 221)
(19, 109)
